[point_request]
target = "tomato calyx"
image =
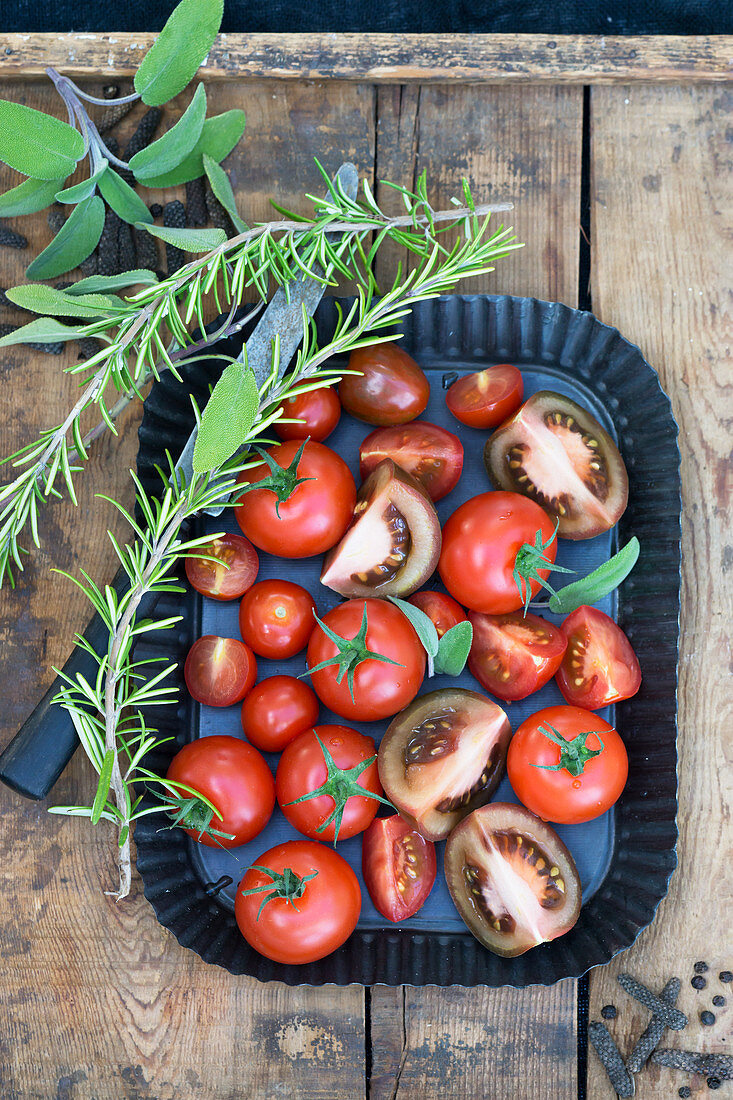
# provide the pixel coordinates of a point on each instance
(286, 885)
(193, 813)
(530, 559)
(283, 481)
(574, 755)
(351, 652)
(340, 785)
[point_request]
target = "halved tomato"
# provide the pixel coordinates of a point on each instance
(219, 671)
(443, 755)
(433, 456)
(512, 879)
(441, 609)
(398, 865)
(513, 655)
(599, 666)
(231, 574)
(556, 453)
(484, 399)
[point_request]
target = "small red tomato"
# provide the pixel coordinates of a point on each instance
(276, 618)
(233, 572)
(443, 610)
(398, 865)
(599, 666)
(514, 655)
(390, 387)
(219, 671)
(318, 412)
(235, 778)
(485, 399)
(432, 455)
(276, 710)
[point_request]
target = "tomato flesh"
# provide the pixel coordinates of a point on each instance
(599, 666)
(219, 671)
(276, 710)
(432, 455)
(231, 574)
(318, 412)
(513, 655)
(442, 610)
(276, 618)
(486, 398)
(398, 865)
(390, 387)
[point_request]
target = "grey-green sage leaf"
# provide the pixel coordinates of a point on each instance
(218, 137)
(84, 189)
(123, 199)
(44, 330)
(168, 151)
(228, 417)
(590, 589)
(422, 624)
(78, 236)
(29, 197)
(37, 144)
(453, 649)
(101, 284)
(57, 303)
(190, 240)
(172, 60)
(222, 188)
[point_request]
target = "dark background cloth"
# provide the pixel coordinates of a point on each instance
(422, 16)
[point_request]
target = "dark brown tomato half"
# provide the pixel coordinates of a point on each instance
(442, 756)
(433, 456)
(512, 879)
(393, 543)
(556, 453)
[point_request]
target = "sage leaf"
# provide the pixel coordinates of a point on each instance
(190, 240)
(218, 137)
(172, 60)
(590, 589)
(84, 189)
(37, 144)
(453, 649)
(168, 151)
(228, 417)
(44, 330)
(78, 236)
(29, 197)
(123, 199)
(105, 778)
(48, 300)
(98, 284)
(222, 188)
(423, 625)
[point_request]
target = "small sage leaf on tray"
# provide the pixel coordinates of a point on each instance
(218, 137)
(84, 189)
(453, 649)
(172, 60)
(29, 197)
(599, 583)
(36, 144)
(44, 330)
(57, 303)
(190, 240)
(421, 623)
(123, 199)
(168, 151)
(100, 284)
(78, 236)
(228, 417)
(222, 188)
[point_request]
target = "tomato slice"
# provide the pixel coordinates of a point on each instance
(484, 399)
(398, 865)
(600, 666)
(513, 655)
(233, 572)
(432, 455)
(219, 671)
(443, 610)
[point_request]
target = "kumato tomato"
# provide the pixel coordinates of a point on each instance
(311, 901)
(276, 618)
(442, 610)
(430, 454)
(484, 399)
(512, 879)
(567, 765)
(599, 666)
(514, 655)
(230, 574)
(390, 387)
(235, 778)
(219, 671)
(398, 865)
(276, 710)
(317, 412)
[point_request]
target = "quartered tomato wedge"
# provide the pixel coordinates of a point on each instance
(219, 671)
(557, 454)
(484, 399)
(442, 756)
(513, 655)
(398, 865)
(443, 610)
(512, 879)
(599, 666)
(432, 455)
(231, 574)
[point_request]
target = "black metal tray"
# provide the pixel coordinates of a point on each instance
(626, 857)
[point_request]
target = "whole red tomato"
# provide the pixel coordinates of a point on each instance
(305, 767)
(442, 610)
(297, 518)
(308, 913)
(318, 413)
(481, 541)
(232, 775)
(380, 688)
(276, 710)
(390, 387)
(276, 618)
(595, 764)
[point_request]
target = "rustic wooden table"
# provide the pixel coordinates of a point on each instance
(617, 155)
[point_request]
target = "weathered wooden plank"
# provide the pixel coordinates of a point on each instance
(662, 209)
(393, 58)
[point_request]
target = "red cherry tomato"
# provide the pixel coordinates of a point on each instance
(398, 865)
(380, 689)
(318, 411)
(432, 455)
(599, 666)
(390, 387)
(513, 655)
(316, 514)
(480, 544)
(219, 671)
(302, 769)
(485, 399)
(235, 777)
(276, 618)
(233, 572)
(276, 710)
(318, 917)
(443, 610)
(568, 796)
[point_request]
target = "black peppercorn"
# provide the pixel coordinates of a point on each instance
(608, 1012)
(726, 976)
(698, 982)
(700, 967)
(718, 1000)
(707, 1018)
(684, 1092)
(155, 209)
(714, 1082)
